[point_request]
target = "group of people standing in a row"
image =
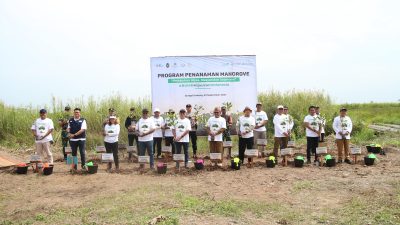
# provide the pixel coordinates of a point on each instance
(148, 131)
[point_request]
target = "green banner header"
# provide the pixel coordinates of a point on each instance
(202, 80)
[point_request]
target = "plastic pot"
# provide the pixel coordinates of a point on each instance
(374, 149)
(199, 165)
(22, 169)
(369, 161)
(92, 169)
(162, 168)
(298, 163)
(331, 162)
(48, 170)
(270, 163)
(234, 165)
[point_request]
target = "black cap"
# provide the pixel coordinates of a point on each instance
(188, 105)
(145, 110)
(111, 109)
(132, 109)
(43, 111)
(343, 109)
(182, 111)
(67, 108)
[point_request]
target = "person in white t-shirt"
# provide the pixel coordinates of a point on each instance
(170, 121)
(145, 128)
(158, 133)
(215, 127)
(111, 133)
(181, 136)
(245, 125)
(342, 125)
(322, 122)
(313, 128)
(281, 127)
(41, 130)
(260, 131)
(289, 120)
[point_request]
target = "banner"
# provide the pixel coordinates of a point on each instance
(204, 82)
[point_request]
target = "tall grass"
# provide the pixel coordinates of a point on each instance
(298, 103)
(15, 122)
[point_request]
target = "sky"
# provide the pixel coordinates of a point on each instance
(70, 49)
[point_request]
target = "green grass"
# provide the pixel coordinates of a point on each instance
(372, 209)
(138, 206)
(303, 185)
(141, 205)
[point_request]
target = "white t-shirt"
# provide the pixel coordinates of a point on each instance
(259, 117)
(289, 121)
(83, 127)
(215, 124)
(342, 124)
(313, 122)
(159, 123)
(180, 127)
(281, 125)
(247, 124)
(42, 127)
(145, 125)
(112, 132)
(169, 122)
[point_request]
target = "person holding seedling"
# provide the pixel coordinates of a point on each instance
(130, 125)
(226, 136)
(181, 136)
(77, 138)
(246, 125)
(289, 121)
(145, 129)
(313, 129)
(342, 125)
(215, 127)
(63, 122)
(111, 133)
(281, 127)
(41, 130)
(261, 120)
(322, 122)
(192, 133)
(170, 122)
(158, 133)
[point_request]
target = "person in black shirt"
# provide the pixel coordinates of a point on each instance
(130, 125)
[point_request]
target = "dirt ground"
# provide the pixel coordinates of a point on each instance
(345, 194)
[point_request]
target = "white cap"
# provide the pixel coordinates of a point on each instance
(156, 110)
(113, 117)
(280, 107)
